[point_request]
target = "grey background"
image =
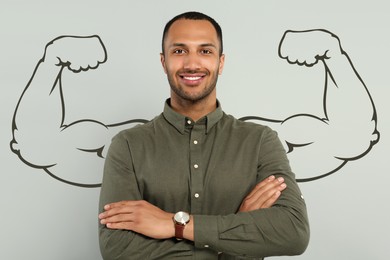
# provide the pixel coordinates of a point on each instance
(43, 218)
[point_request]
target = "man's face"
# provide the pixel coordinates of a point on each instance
(191, 59)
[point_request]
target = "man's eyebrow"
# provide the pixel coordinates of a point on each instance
(178, 44)
(208, 45)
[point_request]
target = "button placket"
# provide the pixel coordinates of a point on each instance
(196, 167)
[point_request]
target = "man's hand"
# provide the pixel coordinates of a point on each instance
(264, 194)
(138, 216)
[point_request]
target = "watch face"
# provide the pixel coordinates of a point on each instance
(182, 217)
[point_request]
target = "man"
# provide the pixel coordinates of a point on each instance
(194, 182)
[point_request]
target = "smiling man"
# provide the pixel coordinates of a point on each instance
(192, 62)
(194, 182)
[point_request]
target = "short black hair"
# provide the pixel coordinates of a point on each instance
(194, 16)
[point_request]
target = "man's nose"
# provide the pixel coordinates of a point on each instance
(192, 61)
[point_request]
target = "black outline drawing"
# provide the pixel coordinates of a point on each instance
(331, 47)
(320, 46)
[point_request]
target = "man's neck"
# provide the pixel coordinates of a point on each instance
(194, 110)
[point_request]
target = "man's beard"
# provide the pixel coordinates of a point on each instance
(191, 97)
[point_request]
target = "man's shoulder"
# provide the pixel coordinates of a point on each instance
(241, 125)
(140, 129)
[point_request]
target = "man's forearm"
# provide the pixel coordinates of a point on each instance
(126, 245)
(260, 233)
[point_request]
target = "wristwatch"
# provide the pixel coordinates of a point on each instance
(180, 219)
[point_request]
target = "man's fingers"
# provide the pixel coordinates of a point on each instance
(122, 205)
(117, 208)
(264, 194)
(260, 185)
(110, 214)
(119, 225)
(117, 218)
(268, 203)
(119, 204)
(266, 185)
(261, 196)
(123, 211)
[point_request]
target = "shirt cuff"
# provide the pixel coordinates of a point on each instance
(205, 231)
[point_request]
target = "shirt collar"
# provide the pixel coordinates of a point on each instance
(181, 122)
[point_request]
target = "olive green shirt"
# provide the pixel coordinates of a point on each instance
(205, 168)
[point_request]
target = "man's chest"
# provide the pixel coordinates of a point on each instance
(200, 176)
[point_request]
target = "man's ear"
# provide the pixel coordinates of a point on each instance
(221, 63)
(162, 59)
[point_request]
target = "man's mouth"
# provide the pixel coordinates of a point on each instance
(192, 79)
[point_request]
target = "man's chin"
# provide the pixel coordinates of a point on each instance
(193, 99)
(192, 94)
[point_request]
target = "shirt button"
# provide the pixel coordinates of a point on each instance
(189, 122)
(206, 246)
(196, 195)
(196, 166)
(195, 142)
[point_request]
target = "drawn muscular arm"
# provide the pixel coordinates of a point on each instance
(347, 102)
(319, 145)
(40, 114)
(42, 138)
(352, 108)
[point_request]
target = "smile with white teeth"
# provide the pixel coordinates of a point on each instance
(192, 78)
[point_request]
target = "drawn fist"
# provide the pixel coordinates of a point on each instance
(78, 53)
(308, 47)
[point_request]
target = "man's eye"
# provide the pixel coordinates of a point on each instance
(179, 51)
(206, 52)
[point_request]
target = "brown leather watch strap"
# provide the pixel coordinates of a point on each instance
(179, 229)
